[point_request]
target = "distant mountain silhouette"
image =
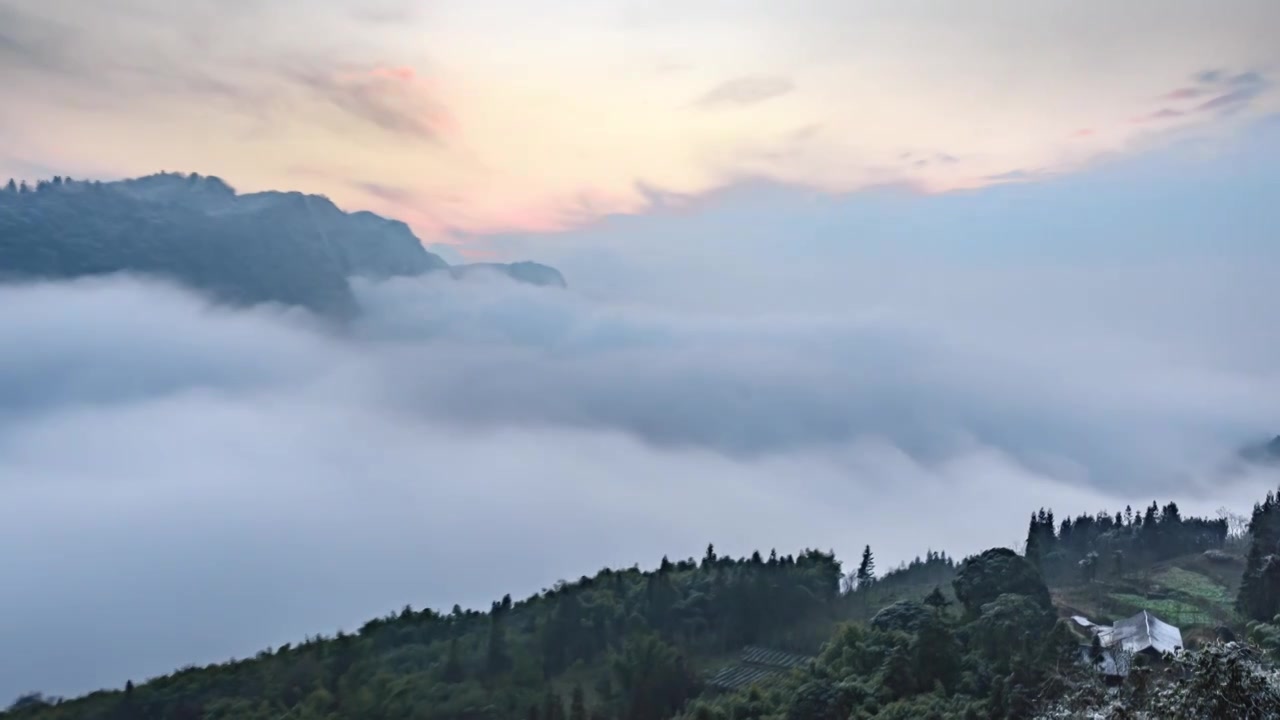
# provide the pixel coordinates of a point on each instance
(283, 247)
(527, 272)
(1265, 452)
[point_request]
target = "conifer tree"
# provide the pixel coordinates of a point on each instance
(453, 664)
(496, 659)
(577, 704)
(866, 568)
(552, 706)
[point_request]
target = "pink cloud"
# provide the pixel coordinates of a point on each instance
(1082, 133)
(402, 72)
(393, 98)
(1182, 94)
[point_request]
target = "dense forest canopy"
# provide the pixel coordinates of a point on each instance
(933, 638)
(287, 248)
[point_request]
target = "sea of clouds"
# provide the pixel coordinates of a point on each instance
(184, 483)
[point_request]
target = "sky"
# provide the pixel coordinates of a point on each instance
(468, 117)
(886, 273)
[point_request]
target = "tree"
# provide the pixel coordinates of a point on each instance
(653, 678)
(552, 706)
(902, 616)
(1089, 567)
(29, 700)
(1007, 626)
(496, 659)
(1259, 595)
(12, 187)
(453, 664)
(994, 573)
(937, 653)
(577, 704)
(867, 568)
(897, 674)
(936, 600)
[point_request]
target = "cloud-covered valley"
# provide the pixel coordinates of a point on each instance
(185, 483)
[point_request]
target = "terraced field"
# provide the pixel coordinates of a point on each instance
(1189, 592)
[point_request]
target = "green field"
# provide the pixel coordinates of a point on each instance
(1194, 585)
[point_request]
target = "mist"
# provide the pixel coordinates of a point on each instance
(184, 483)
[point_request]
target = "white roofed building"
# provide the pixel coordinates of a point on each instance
(1142, 634)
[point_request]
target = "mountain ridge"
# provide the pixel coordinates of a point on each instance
(285, 247)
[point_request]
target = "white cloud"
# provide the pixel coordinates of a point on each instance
(187, 484)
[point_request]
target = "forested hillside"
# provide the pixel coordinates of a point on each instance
(278, 247)
(934, 638)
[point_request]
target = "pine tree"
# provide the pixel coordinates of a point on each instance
(453, 664)
(12, 187)
(1033, 549)
(496, 659)
(867, 568)
(578, 704)
(552, 706)
(936, 599)
(1259, 596)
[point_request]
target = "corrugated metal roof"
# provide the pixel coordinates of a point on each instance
(1143, 631)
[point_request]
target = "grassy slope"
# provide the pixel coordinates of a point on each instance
(1192, 592)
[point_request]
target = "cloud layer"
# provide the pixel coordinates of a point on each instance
(189, 483)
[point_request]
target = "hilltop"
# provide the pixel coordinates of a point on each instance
(783, 637)
(280, 247)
